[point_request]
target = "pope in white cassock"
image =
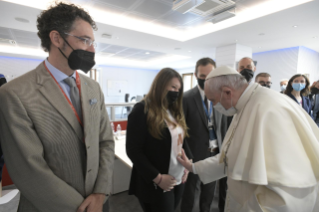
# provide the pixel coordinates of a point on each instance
(270, 153)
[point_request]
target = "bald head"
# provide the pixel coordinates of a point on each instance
(246, 63)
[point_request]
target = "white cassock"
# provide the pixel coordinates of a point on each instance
(273, 156)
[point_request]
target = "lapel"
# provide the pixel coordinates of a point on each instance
(51, 91)
(199, 103)
(89, 109)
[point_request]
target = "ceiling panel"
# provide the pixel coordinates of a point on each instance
(153, 8)
(179, 18)
(126, 4)
(5, 33)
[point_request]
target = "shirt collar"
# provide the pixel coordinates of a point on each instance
(57, 74)
(202, 92)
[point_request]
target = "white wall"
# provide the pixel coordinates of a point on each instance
(284, 63)
(13, 67)
(139, 81)
(279, 64)
(190, 70)
(308, 63)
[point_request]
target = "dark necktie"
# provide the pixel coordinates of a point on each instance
(74, 96)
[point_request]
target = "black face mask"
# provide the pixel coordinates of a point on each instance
(201, 83)
(248, 74)
(314, 90)
(80, 59)
(171, 97)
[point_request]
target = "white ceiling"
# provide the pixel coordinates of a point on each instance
(132, 45)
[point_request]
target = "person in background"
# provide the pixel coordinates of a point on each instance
(206, 129)
(264, 79)
(247, 68)
(314, 97)
(55, 133)
(156, 129)
(298, 89)
(3, 81)
(283, 85)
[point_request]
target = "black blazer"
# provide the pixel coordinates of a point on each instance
(306, 103)
(150, 156)
(196, 120)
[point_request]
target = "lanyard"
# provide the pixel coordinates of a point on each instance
(206, 111)
(78, 84)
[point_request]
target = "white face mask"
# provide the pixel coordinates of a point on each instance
(283, 87)
(220, 108)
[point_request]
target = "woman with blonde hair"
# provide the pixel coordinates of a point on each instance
(155, 133)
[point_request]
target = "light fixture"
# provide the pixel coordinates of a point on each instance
(23, 20)
(177, 48)
(261, 34)
(189, 51)
(295, 26)
(147, 53)
(315, 37)
(108, 36)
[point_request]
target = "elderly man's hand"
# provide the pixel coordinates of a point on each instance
(185, 161)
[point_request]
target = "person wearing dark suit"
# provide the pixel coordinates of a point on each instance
(314, 98)
(155, 131)
(2, 82)
(298, 89)
(206, 129)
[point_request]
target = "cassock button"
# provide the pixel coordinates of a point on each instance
(89, 170)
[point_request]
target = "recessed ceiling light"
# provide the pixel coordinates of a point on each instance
(147, 53)
(177, 49)
(23, 20)
(315, 37)
(295, 26)
(261, 34)
(189, 51)
(117, 38)
(236, 40)
(108, 36)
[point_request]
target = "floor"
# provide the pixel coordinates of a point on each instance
(122, 202)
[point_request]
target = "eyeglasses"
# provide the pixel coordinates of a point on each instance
(86, 41)
(264, 83)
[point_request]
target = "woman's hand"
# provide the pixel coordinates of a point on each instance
(185, 161)
(167, 182)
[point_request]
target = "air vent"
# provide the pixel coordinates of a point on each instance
(184, 6)
(213, 7)
(108, 36)
(221, 17)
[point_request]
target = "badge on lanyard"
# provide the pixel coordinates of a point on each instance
(212, 135)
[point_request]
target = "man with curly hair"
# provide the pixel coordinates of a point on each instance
(55, 132)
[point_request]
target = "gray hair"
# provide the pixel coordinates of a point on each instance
(284, 80)
(234, 81)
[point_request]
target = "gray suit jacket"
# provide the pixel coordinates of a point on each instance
(196, 121)
(43, 143)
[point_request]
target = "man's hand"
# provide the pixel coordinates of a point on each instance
(93, 203)
(184, 178)
(185, 161)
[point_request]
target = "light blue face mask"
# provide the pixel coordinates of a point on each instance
(220, 108)
(298, 86)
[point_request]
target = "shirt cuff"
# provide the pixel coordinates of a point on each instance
(194, 170)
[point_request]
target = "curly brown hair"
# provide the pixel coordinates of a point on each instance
(60, 17)
(305, 91)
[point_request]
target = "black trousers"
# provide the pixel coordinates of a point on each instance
(168, 201)
(206, 194)
(222, 194)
